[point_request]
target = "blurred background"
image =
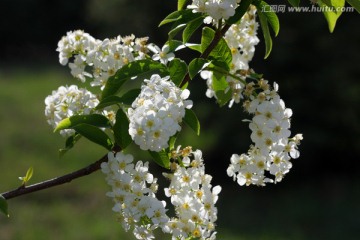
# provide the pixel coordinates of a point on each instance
(318, 74)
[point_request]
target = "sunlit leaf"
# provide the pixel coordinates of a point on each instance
(221, 51)
(219, 84)
(266, 33)
(331, 16)
(182, 4)
(172, 141)
(271, 16)
(161, 158)
(28, 175)
(97, 120)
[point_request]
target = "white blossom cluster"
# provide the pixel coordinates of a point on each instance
(133, 192)
(66, 102)
(93, 58)
(241, 39)
(216, 9)
(194, 198)
(156, 113)
(273, 148)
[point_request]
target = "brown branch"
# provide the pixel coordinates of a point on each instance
(218, 36)
(96, 165)
(59, 180)
(55, 181)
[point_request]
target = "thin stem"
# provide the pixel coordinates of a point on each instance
(220, 70)
(96, 165)
(218, 36)
(58, 180)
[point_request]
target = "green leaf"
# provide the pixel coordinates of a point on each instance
(28, 175)
(172, 17)
(355, 4)
(192, 121)
(221, 51)
(97, 120)
(173, 32)
(177, 69)
(69, 143)
(271, 16)
(239, 12)
(174, 45)
(182, 4)
(140, 69)
(127, 99)
(4, 206)
(294, 3)
(266, 33)
(94, 134)
(223, 97)
(327, 3)
(108, 101)
(195, 66)
(191, 27)
(180, 17)
(331, 16)
(121, 130)
(161, 158)
(220, 85)
(196, 47)
(172, 141)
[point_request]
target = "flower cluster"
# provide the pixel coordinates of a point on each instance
(241, 39)
(133, 192)
(66, 102)
(193, 196)
(104, 57)
(273, 148)
(216, 9)
(156, 113)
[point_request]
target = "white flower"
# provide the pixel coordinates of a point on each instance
(272, 149)
(163, 55)
(241, 39)
(216, 9)
(98, 59)
(135, 203)
(157, 112)
(194, 200)
(66, 102)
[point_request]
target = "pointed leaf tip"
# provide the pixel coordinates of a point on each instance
(4, 206)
